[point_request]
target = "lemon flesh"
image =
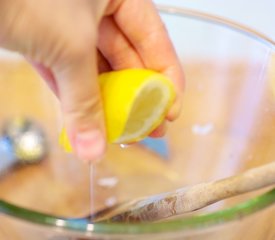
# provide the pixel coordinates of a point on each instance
(135, 102)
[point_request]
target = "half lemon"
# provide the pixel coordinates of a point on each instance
(135, 102)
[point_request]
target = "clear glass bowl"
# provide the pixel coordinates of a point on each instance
(226, 127)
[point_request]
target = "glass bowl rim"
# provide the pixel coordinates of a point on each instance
(217, 20)
(197, 222)
(181, 224)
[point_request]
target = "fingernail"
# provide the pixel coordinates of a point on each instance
(90, 146)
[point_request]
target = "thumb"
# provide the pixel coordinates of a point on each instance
(81, 105)
(68, 50)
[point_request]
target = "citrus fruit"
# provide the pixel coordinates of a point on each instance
(135, 102)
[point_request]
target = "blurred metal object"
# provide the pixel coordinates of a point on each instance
(27, 138)
(30, 146)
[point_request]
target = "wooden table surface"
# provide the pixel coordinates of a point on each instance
(209, 142)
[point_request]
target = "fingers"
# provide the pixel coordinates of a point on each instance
(175, 73)
(81, 105)
(115, 47)
(159, 131)
(81, 108)
(141, 24)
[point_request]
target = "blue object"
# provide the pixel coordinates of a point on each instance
(7, 157)
(157, 145)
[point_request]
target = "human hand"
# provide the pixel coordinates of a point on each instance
(70, 41)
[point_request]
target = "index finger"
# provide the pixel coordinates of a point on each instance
(142, 25)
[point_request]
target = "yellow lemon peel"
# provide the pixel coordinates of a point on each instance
(135, 102)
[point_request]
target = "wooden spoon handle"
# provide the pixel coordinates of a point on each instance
(185, 200)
